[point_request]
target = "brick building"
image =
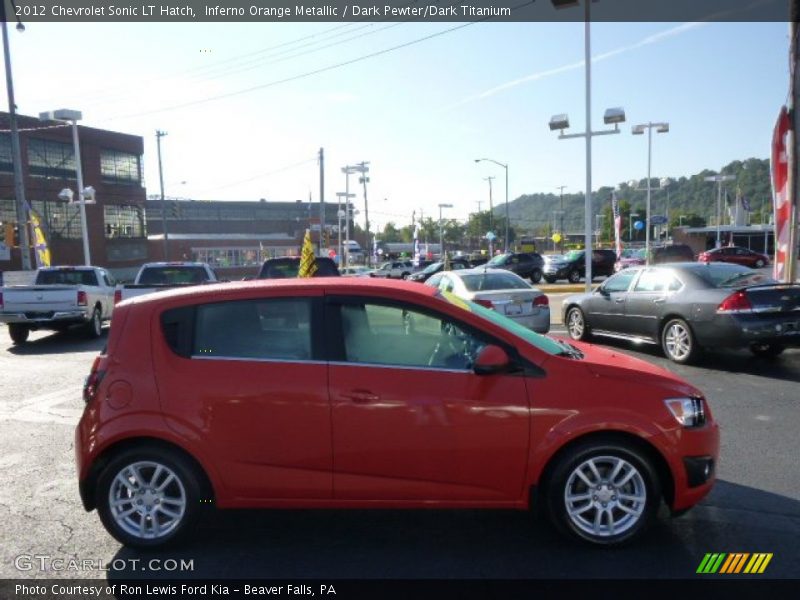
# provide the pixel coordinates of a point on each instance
(111, 163)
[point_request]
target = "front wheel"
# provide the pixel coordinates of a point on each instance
(19, 333)
(605, 493)
(574, 276)
(576, 324)
(94, 328)
(148, 497)
(678, 342)
(536, 276)
(766, 350)
(405, 275)
(759, 263)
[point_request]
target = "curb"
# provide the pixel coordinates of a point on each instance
(553, 288)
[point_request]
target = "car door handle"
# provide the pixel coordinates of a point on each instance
(361, 396)
(659, 300)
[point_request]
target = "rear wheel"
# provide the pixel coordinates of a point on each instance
(94, 328)
(576, 324)
(536, 276)
(759, 263)
(766, 350)
(606, 493)
(574, 276)
(148, 497)
(405, 275)
(678, 342)
(19, 333)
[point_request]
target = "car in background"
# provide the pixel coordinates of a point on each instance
(526, 265)
(356, 271)
(287, 267)
(394, 269)
(354, 393)
(688, 307)
(162, 276)
(631, 257)
(736, 255)
(572, 265)
(478, 260)
(672, 253)
(435, 267)
(501, 290)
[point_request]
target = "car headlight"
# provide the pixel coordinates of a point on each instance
(689, 412)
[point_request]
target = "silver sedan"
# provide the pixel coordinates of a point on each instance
(501, 290)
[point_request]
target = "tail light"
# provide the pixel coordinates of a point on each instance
(486, 303)
(541, 301)
(93, 381)
(737, 302)
(82, 300)
(117, 297)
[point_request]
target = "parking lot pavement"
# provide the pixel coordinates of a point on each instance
(755, 506)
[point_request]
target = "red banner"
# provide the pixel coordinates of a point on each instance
(780, 194)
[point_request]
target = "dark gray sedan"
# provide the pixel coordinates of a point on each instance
(686, 307)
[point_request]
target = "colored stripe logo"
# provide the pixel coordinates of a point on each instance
(734, 563)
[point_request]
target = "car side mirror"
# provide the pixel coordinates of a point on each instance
(603, 291)
(491, 360)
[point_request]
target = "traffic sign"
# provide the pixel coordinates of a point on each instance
(658, 219)
(490, 236)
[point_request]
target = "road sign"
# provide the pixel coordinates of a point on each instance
(490, 236)
(658, 219)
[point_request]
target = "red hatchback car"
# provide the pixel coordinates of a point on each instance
(736, 255)
(358, 393)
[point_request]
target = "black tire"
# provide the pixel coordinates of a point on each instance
(405, 275)
(641, 493)
(766, 350)
(536, 276)
(19, 333)
(576, 325)
(186, 484)
(549, 279)
(759, 263)
(574, 276)
(678, 342)
(94, 328)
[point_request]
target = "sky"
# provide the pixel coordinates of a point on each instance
(248, 106)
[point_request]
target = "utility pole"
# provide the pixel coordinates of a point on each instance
(19, 183)
(491, 207)
(321, 198)
(561, 225)
(159, 135)
(364, 169)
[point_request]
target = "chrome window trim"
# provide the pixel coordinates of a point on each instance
(250, 359)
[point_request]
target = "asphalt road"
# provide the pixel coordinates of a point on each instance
(755, 506)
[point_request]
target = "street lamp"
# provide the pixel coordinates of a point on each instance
(613, 116)
(719, 179)
(73, 116)
(630, 225)
(441, 229)
(505, 166)
(639, 130)
(344, 214)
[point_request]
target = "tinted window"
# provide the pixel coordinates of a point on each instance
(262, 329)
(493, 281)
(173, 275)
(390, 335)
(619, 282)
(66, 277)
(727, 275)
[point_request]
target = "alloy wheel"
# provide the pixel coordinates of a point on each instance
(678, 341)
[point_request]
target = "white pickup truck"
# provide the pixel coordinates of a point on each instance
(159, 276)
(59, 298)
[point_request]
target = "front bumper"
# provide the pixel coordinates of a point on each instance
(694, 451)
(44, 318)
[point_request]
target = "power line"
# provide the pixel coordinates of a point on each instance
(259, 176)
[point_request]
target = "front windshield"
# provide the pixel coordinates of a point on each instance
(432, 268)
(542, 342)
(573, 254)
(497, 260)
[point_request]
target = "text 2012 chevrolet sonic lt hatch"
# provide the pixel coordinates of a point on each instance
(337, 393)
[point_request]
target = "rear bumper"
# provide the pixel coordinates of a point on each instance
(30, 318)
(736, 331)
(540, 323)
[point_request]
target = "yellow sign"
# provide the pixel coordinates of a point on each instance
(40, 247)
(308, 265)
(556, 237)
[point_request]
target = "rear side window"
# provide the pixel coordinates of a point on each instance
(275, 329)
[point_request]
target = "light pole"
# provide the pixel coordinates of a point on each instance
(719, 179)
(597, 221)
(72, 117)
(665, 183)
(159, 135)
(344, 214)
(630, 225)
(441, 229)
(505, 166)
(491, 206)
(639, 130)
(560, 188)
(364, 169)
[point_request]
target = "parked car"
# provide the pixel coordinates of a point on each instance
(572, 265)
(394, 269)
(478, 260)
(354, 393)
(503, 291)
(672, 254)
(524, 264)
(688, 307)
(630, 258)
(736, 255)
(162, 276)
(435, 267)
(288, 267)
(60, 298)
(357, 271)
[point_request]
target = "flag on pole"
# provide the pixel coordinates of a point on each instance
(779, 165)
(40, 247)
(308, 264)
(617, 224)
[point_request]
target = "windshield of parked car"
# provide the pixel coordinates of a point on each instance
(432, 268)
(728, 276)
(541, 342)
(172, 275)
(497, 260)
(573, 255)
(483, 282)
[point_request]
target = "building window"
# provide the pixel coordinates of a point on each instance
(6, 162)
(239, 256)
(120, 167)
(63, 219)
(51, 159)
(123, 221)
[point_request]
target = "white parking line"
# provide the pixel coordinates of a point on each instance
(43, 408)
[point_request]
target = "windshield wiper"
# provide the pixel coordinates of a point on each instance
(568, 350)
